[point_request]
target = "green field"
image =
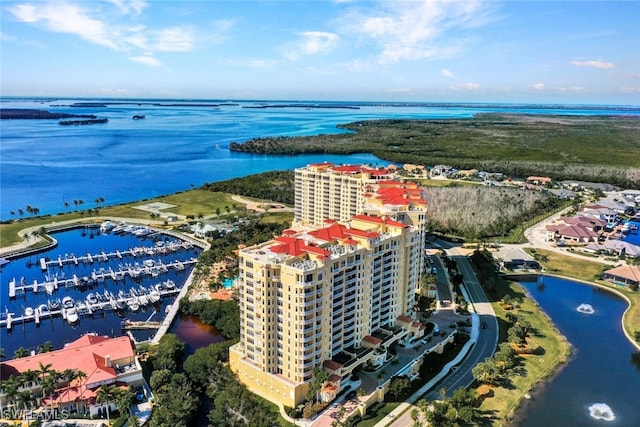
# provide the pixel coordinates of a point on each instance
(193, 202)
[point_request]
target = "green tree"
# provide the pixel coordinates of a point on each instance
(45, 347)
(319, 377)
(21, 352)
(168, 352)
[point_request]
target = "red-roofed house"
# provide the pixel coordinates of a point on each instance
(102, 360)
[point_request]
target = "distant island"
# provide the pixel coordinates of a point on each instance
(82, 122)
(29, 114)
(307, 106)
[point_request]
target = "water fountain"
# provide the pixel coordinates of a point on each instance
(601, 411)
(586, 309)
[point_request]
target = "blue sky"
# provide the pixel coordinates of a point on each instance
(582, 52)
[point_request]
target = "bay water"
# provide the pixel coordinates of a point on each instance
(180, 144)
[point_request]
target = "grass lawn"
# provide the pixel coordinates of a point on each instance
(192, 202)
(505, 400)
(590, 271)
(376, 413)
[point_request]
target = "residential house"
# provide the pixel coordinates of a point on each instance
(101, 359)
(623, 275)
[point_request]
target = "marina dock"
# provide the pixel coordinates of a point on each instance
(133, 271)
(105, 257)
(123, 301)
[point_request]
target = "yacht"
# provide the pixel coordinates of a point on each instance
(43, 309)
(133, 304)
(154, 296)
(72, 315)
(92, 299)
(54, 304)
(169, 284)
(28, 311)
(67, 302)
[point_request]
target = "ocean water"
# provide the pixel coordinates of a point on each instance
(180, 144)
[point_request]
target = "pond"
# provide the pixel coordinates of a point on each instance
(601, 383)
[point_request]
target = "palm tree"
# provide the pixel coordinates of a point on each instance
(66, 205)
(50, 385)
(2, 353)
(10, 388)
(69, 375)
(25, 397)
(29, 377)
(107, 394)
(44, 370)
(21, 352)
(45, 347)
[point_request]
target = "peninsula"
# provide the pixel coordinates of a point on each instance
(600, 149)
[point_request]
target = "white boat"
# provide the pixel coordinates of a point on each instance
(92, 299)
(133, 304)
(143, 300)
(67, 302)
(54, 304)
(149, 263)
(154, 296)
(49, 287)
(106, 227)
(72, 315)
(28, 311)
(43, 309)
(169, 284)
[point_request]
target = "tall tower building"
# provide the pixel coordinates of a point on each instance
(336, 295)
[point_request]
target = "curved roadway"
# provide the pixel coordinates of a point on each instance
(484, 347)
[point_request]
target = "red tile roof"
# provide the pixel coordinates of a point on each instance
(86, 354)
(331, 365)
(372, 340)
(626, 272)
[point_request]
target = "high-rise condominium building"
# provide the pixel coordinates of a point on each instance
(328, 297)
(336, 295)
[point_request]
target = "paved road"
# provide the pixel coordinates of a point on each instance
(484, 347)
(487, 338)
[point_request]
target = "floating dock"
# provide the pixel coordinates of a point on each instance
(133, 271)
(105, 257)
(9, 319)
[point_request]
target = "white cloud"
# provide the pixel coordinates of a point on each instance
(126, 7)
(411, 30)
(107, 91)
(177, 39)
(538, 86)
(66, 18)
(7, 38)
(311, 43)
(468, 86)
(448, 74)
(574, 89)
(147, 60)
(603, 65)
